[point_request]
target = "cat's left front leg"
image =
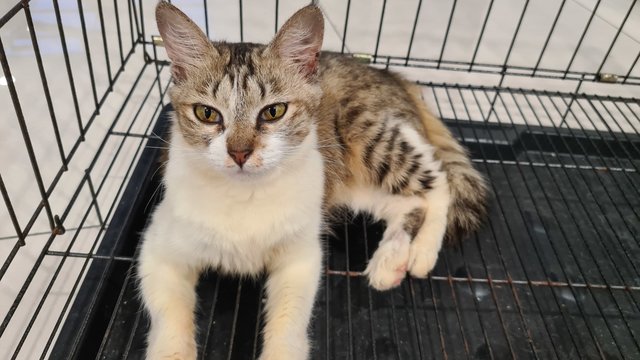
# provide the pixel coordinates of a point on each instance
(294, 276)
(168, 294)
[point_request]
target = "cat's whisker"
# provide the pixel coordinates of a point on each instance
(160, 185)
(153, 133)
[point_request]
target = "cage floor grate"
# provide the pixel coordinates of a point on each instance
(555, 273)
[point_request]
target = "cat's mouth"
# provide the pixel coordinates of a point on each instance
(242, 171)
(246, 173)
(254, 168)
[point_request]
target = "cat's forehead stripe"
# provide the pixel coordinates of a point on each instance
(240, 69)
(245, 81)
(240, 56)
(233, 96)
(214, 88)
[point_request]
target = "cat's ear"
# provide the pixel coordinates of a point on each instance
(185, 43)
(299, 40)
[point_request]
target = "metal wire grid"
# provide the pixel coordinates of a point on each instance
(507, 67)
(584, 175)
(101, 166)
(84, 124)
(125, 139)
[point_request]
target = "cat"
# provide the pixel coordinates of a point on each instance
(266, 141)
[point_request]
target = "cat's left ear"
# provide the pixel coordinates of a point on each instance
(299, 40)
(186, 45)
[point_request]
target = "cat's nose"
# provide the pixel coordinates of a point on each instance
(240, 156)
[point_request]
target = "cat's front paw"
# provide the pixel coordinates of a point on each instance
(297, 349)
(421, 260)
(171, 355)
(388, 265)
(172, 350)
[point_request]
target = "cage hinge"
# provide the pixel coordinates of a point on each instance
(157, 40)
(147, 58)
(607, 78)
(58, 227)
(363, 58)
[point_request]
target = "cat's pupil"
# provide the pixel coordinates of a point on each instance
(272, 111)
(207, 113)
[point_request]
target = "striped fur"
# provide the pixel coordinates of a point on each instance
(468, 187)
(247, 192)
(368, 98)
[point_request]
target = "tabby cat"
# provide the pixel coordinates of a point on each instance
(266, 141)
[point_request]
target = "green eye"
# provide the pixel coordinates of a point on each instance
(207, 114)
(273, 112)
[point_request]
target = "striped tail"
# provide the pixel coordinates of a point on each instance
(468, 188)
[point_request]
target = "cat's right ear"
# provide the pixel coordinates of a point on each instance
(185, 43)
(299, 40)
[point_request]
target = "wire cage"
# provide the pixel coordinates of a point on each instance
(544, 94)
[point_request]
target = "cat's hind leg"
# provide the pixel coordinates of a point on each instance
(415, 228)
(388, 265)
(406, 188)
(403, 216)
(428, 225)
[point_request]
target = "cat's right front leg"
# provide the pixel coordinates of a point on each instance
(168, 293)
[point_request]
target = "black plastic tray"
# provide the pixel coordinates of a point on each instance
(553, 274)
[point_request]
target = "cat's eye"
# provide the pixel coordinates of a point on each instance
(273, 112)
(207, 114)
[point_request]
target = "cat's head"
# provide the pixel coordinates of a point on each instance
(243, 109)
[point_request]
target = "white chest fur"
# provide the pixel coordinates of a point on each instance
(213, 221)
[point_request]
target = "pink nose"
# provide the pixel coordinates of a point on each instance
(240, 156)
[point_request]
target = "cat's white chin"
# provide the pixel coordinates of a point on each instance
(248, 174)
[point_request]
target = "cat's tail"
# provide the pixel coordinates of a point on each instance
(468, 188)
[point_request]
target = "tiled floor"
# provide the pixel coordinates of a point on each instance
(259, 22)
